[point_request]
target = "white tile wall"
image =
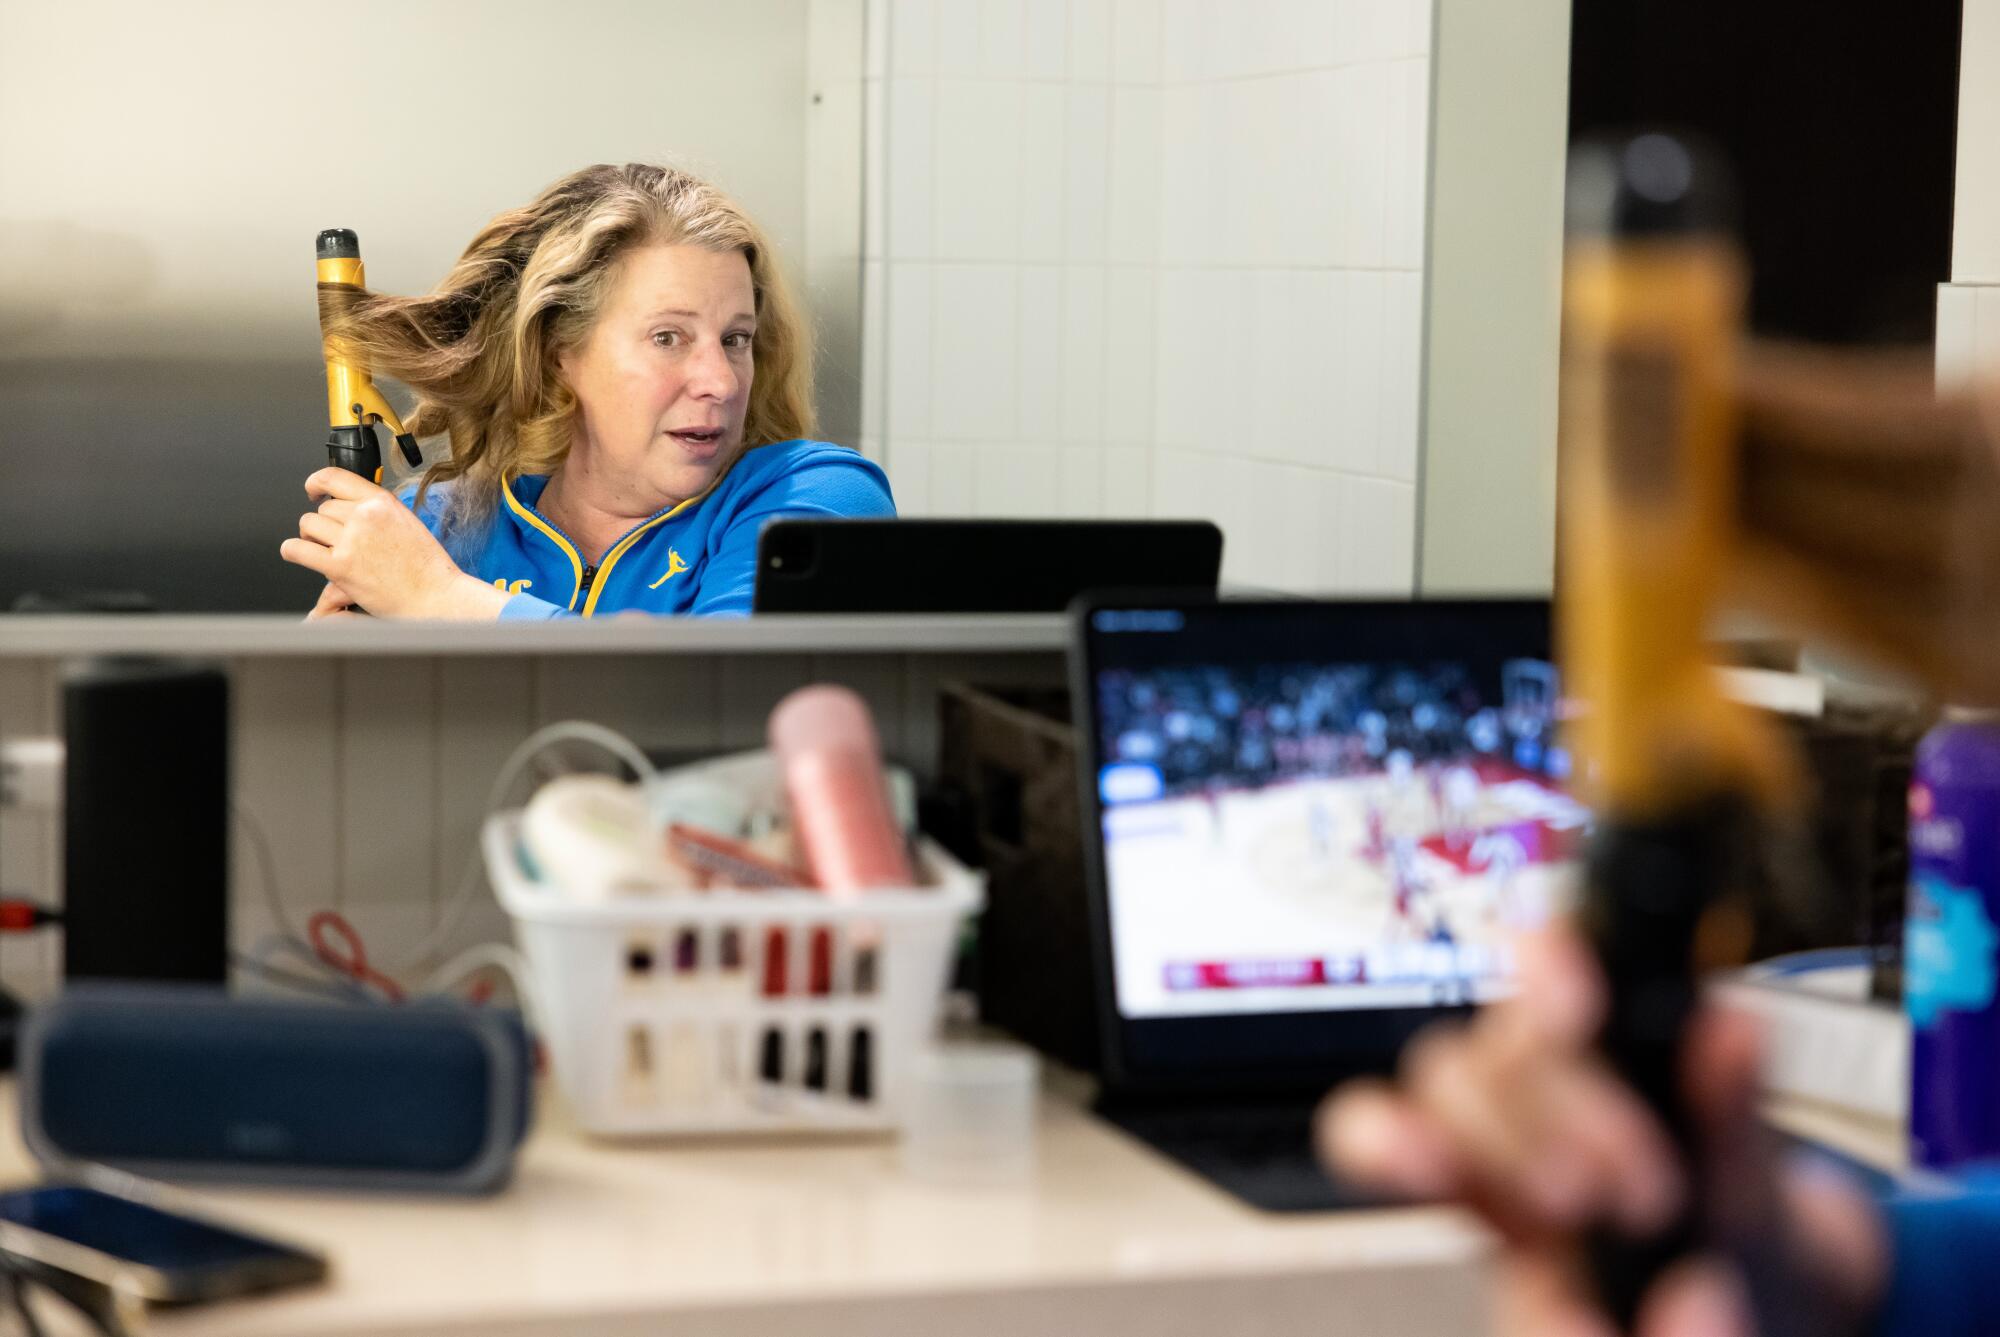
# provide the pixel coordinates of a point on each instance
(1045, 29)
(1016, 480)
(908, 302)
(909, 470)
(1080, 492)
(957, 50)
(1153, 257)
(952, 477)
(1128, 482)
(1407, 136)
(1042, 173)
(974, 348)
(911, 108)
(1083, 354)
(913, 34)
(1358, 414)
(1129, 358)
(1132, 205)
(1137, 37)
(1038, 369)
(978, 170)
(1086, 170)
(1089, 40)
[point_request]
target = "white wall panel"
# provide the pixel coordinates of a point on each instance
(978, 170)
(1363, 313)
(1038, 187)
(1128, 473)
(1406, 106)
(1253, 181)
(974, 351)
(951, 480)
(1083, 355)
(1087, 172)
(908, 302)
(1132, 219)
(1129, 355)
(913, 35)
(1045, 28)
(1081, 487)
(912, 110)
(957, 50)
(1039, 352)
(910, 474)
(1013, 479)
(386, 783)
(1090, 40)
(1401, 384)
(1137, 34)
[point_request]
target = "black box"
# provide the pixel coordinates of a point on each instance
(146, 822)
(1012, 754)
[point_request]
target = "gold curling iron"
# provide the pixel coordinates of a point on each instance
(1835, 490)
(353, 404)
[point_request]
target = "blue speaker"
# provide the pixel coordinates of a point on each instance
(177, 1082)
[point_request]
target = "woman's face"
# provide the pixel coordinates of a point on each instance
(663, 379)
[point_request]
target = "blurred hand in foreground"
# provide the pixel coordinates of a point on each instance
(1515, 1115)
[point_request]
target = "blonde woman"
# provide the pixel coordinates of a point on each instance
(626, 388)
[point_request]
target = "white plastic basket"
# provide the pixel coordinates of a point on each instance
(682, 1046)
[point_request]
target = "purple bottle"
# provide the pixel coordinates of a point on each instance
(1951, 949)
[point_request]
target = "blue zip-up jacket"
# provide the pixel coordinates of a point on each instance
(1946, 1271)
(698, 557)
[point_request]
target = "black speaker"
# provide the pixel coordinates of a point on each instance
(146, 822)
(177, 1082)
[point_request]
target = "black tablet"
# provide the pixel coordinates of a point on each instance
(974, 566)
(1311, 826)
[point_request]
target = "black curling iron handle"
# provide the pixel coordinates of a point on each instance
(1649, 887)
(356, 450)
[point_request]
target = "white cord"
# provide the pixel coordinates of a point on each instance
(496, 954)
(332, 976)
(267, 868)
(610, 740)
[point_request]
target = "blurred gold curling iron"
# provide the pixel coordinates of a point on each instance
(1835, 491)
(353, 404)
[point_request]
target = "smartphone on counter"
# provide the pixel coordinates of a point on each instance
(146, 1246)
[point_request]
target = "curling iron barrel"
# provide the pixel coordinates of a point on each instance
(353, 404)
(1653, 296)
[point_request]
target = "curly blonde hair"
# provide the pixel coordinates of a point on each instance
(481, 350)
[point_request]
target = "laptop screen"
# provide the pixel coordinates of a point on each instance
(1314, 807)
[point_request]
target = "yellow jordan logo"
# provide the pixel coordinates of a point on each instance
(506, 586)
(675, 565)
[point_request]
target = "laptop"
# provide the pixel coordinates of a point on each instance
(974, 566)
(1311, 829)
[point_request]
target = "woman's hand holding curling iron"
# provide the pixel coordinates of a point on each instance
(376, 553)
(1515, 1115)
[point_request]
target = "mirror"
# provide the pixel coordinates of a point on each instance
(1065, 257)
(1169, 259)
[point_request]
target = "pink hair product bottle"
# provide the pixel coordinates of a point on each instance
(826, 746)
